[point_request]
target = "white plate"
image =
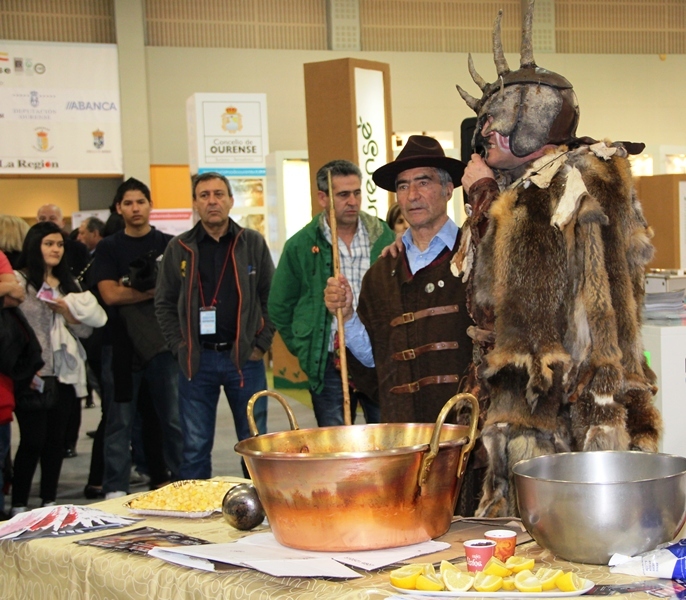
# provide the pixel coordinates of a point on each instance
(173, 513)
(501, 594)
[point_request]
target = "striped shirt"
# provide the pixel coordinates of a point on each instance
(355, 262)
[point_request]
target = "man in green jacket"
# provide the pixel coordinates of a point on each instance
(296, 300)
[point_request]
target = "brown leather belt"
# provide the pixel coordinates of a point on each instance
(411, 388)
(421, 314)
(412, 353)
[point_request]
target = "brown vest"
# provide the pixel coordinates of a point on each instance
(417, 325)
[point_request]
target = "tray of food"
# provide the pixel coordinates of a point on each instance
(189, 499)
(517, 576)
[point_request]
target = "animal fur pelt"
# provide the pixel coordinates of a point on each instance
(562, 267)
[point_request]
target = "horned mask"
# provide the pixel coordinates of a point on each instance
(531, 106)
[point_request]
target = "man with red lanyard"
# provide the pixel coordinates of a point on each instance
(211, 303)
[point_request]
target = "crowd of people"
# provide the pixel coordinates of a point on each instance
(184, 318)
(533, 305)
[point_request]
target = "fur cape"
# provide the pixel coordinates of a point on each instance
(562, 267)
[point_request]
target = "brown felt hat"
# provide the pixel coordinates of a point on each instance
(419, 151)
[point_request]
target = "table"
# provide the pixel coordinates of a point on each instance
(58, 568)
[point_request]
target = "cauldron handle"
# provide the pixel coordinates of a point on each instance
(251, 405)
(429, 457)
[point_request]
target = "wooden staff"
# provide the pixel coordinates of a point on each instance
(339, 311)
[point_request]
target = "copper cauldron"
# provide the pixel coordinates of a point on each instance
(359, 487)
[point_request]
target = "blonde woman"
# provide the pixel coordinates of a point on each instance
(13, 230)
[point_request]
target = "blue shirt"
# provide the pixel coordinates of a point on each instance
(356, 336)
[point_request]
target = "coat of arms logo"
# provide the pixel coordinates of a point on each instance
(98, 139)
(232, 120)
(42, 139)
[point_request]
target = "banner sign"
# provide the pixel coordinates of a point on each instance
(169, 220)
(173, 221)
(227, 133)
(59, 109)
(371, 137)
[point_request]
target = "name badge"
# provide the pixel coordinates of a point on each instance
(208, 321)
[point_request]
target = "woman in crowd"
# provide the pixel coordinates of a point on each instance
(395, 219)
(42, 408)
(12, 233)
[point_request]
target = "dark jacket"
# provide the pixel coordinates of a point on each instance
(20, 355)
(177, 298)
(76, 254)
(20, 351)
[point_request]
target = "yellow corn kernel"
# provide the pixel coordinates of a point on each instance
(184, 496)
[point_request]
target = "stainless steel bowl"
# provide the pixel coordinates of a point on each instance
(586, 506)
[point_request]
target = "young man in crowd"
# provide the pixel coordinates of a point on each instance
(141, 363)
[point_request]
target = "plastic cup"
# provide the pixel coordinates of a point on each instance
(505, 542)
(478, 552)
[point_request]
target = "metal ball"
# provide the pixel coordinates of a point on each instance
(242, 508)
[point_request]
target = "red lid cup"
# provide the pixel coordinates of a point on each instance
(478, 552)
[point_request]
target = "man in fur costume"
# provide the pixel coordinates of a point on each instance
(554, 255)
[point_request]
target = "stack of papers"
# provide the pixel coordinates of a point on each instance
(53, 521)
(263, 553)
(665, 305)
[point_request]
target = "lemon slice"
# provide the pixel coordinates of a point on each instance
(406, 576)
(525, 573)
(570, 582)
(429, 569)
(487, 583)
(447, 566)
(548, 577)
(519, 563)
(457, 581)
(495, 566)
(526, 582)
(429, 583)
(508, 584)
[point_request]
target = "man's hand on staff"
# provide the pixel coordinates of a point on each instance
(476, 169)
(339, 294)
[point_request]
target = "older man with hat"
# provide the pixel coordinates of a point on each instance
(408, 337)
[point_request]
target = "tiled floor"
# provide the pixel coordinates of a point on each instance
(225, 461)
